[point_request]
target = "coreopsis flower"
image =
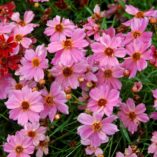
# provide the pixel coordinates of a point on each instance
(155, 98)
(152, 149)
(128, 153)
(138, 27)
(28, 17)
(54, 101)
(109, 75)
(139, 14)
(33, 64)
(96, 128)
(137, 87)
(7, 45)
(35, 132)
(59, 28)
(108, 49)
(97, 12)
(6, 28)
(18, 145)
(139, 53)
(40, 0)
(68, 75)
(6, 10)
(69, 50)
(132, 115)
(5, 84)
(103, 99)
(25, 105)
(153, 59)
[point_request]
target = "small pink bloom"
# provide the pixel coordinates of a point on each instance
(153, 59)
(155, 98)
(25, 105)
(18, 146)
(137, 87)
(54, 101)
(95, 128)
(59, 28)
(69, 50)
(103, 99)
(33, 64)
(132, 115)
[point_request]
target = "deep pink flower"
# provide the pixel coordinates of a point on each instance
(25, 105)
(153, 59)
(67, 76)
(103, 99)
(138, 55)
(18, 146)
(69, 50)
(54, 101)
(95, 128)
(35, 132)
(33, 64)
(109, 75)
(59, 28)
(132, 115)
(108, 49)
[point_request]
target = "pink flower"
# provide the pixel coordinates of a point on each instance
(54, 101)
(35, 132)
(155, 98)
(138, 55)
(68, 75)
(20, 35)
(128, 153)
(95, 128)
(108, 49)
(25, 105)
(59, 28)
(152, 149)
(69, 50)
(97, 12)
(18, 146)
(132, 115)
(40, 0)
(103, 99)
(109, 75)
(153, 59)
(138, 27)
(137, 87)
(33, 64)
(5, 86)
(28, 17)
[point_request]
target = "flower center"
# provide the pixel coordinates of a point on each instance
(102, 102)
(67, 71)
(136, 34)
(25, 105)
(22, 23)
(43, 143)
(18, 86)
(109, 52)
(132, 116)
(140, 14)
(36, 62)
(108, 73)
(3, 45)
(18, 37)
(31, 134)
(97, 126)
(67, 44)
(59, 28)
(19, 149)
(136, 56)
(49, 100)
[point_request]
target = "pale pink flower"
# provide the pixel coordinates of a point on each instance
(40, 0)
(18, 146)
(139, 53)
(6, 28)
(42, 148)
(95, 128)
(25, 105)
(152, 149)
(97, 12)
(59, 28)
(108, 49)
(28, 17)
(54, 101)
(132, 115)
(109, 75)
(33, 64)
(71, 49)
(128, 153)
(35, 132)
(137, 87)
(103, 99)
(68, 75)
